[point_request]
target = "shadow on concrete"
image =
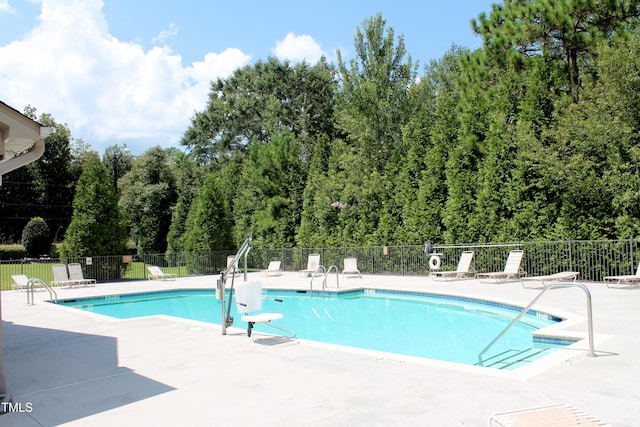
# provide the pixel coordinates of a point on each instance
(275, 340)
(65, 376)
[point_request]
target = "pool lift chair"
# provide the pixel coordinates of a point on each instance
(248, 300)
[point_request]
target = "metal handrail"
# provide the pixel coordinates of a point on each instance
(320, 269)
(52, 294)
(528, 307)
(243, 251)
(324, 280)
(227, 320)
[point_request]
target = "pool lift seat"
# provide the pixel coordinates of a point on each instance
(248, 300)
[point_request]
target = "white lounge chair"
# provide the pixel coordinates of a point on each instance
(351, 268)
(77, 277)
(549, 415)
(511, 269)
(249, 300)
(538, 282)
(156, 273)
(20, 282)
(61, 276)
(624, 280)
(230, 264)
(313, 266)
(462, 271)
(274, 269)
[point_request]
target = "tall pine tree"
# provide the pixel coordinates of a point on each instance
(97, 227)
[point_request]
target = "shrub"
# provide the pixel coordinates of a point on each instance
(36, 238)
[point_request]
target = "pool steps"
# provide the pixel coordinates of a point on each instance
(512, 357)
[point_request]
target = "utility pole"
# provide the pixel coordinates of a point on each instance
(117, 155)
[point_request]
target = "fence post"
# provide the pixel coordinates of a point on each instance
(570, 256)
(373, 267)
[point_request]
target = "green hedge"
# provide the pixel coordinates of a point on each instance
(12, 252)
(17, 251)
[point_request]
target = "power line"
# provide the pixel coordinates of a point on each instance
(48, 184)
(29, 217)
(34, 205)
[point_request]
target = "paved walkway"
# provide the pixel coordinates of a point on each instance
(65, 366)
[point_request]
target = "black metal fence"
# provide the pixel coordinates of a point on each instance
(117, 268)
(593, 259)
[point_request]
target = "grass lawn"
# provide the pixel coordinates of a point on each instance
(44, 271)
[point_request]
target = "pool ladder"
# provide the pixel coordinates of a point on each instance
(591, 353)
(30, 285)
(324, 278)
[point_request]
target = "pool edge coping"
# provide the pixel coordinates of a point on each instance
(556, 330)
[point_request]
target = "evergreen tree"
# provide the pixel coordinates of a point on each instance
(564, 32)
(430, 134)
(188, 182)
(96, 228)
(311, 231)
(463, 128)
(208, 227)
(342, 203)
(270, 193)
(533, 196)
(372, 107)
(618, 90)
(147, 197)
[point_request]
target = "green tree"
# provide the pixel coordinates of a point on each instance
(36, 238)
(343, 205)
(96, 228)
(17, 203)
(532, 196)
(270, 193)
(312, 230)
(208, 226)
(594, 151)
(430, 134)
(260, 101)
(461, 131)
(372, 105)
(118, 160)
(618, 90)
(188, 181)
(565, 32)
(44, 188)
(497, 159)
(147, 196)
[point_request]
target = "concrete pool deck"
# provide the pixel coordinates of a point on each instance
(66, 366)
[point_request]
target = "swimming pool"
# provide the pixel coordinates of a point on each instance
(424, 325)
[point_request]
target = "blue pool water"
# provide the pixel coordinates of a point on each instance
(430, 326)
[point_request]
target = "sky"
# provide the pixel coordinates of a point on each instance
(134, 72)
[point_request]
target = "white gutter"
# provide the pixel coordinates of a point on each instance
(36, 151)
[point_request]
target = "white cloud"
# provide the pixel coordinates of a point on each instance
(298, 48)
(106, 90)
(5, 7)
(165, 35)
